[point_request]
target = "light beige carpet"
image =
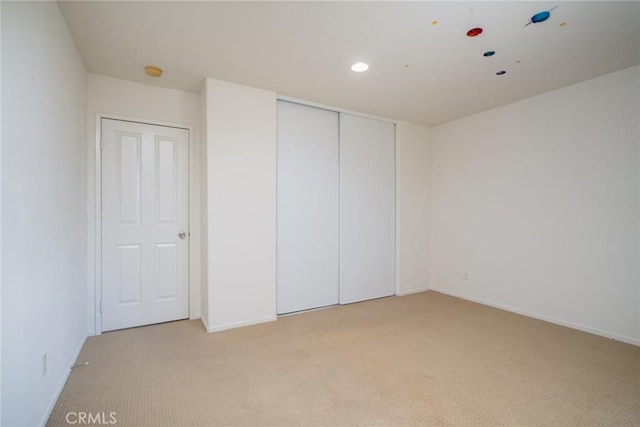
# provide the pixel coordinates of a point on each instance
(423, 359)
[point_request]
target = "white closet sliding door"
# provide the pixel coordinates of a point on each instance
(308, 207)
(367, 215)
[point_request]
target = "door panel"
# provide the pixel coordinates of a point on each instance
(144, 208)
(166, 273)
(166, 179)
(367, 212)
(307, 207)
(128, 152)
(129, 274)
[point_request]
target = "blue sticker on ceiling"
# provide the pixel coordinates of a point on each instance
(540, 16)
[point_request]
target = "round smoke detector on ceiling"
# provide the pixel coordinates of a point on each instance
(153, 71)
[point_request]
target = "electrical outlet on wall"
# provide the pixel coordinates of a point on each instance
(44, 364)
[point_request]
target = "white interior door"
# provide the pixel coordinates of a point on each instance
(308, 207)
(144, 216)
(367, 213)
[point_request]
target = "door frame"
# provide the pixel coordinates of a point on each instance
(194, 295)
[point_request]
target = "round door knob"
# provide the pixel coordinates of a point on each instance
(182, 234)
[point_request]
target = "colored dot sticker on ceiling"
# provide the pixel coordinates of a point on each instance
(501, 72)
(489, 53)
(434, 23)
(540, 16)
(474, 32)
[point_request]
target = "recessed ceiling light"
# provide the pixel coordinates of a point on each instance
(359, 67)
(153, 71)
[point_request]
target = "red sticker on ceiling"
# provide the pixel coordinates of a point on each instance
(474, 32)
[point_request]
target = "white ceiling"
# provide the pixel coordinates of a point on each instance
(305, 49)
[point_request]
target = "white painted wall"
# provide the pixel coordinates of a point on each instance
(0, 218)
(538, 201)
(111, 96)
(204, 241)
(241, 192)
(44, 208)
(412, 208)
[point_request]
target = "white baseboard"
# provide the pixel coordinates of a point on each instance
(204, 323)
(560, 322)
(240, 324)
(63, 382)
(412, 291)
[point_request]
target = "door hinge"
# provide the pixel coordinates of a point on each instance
(100, 144)
(100, 307)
